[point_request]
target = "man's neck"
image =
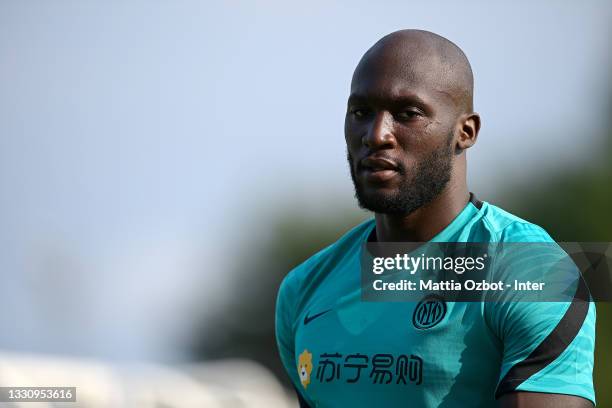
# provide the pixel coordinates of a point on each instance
(426, 222)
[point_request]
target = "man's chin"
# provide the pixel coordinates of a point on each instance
(383, 191)
(380, 202)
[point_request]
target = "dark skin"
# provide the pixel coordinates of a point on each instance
(411, 95)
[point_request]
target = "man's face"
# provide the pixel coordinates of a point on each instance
(399, 132)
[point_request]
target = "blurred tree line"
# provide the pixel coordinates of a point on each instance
(572, 205)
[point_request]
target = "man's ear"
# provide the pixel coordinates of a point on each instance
(469, 126)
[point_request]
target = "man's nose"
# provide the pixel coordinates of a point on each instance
(380, 133)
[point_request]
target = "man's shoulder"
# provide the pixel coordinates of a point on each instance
(504, 226)
(347, 245)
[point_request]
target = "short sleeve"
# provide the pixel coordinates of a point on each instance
(548, 346)
(284, 331)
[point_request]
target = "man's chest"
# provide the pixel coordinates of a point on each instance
(394, 352)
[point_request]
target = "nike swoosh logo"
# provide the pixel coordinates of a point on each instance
(308, 319)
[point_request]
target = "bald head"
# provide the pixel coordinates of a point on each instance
(419, 59)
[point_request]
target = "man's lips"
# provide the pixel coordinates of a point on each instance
(378, 164)
(378, 169)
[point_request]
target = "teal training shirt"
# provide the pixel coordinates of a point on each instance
(340, 351)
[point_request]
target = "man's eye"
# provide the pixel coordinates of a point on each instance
(408, 114)
(359, 113)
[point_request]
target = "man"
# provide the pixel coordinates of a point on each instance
(408, 125)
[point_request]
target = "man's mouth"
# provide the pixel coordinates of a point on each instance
(378, 169)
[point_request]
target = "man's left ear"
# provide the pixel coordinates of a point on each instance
(469, 125)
